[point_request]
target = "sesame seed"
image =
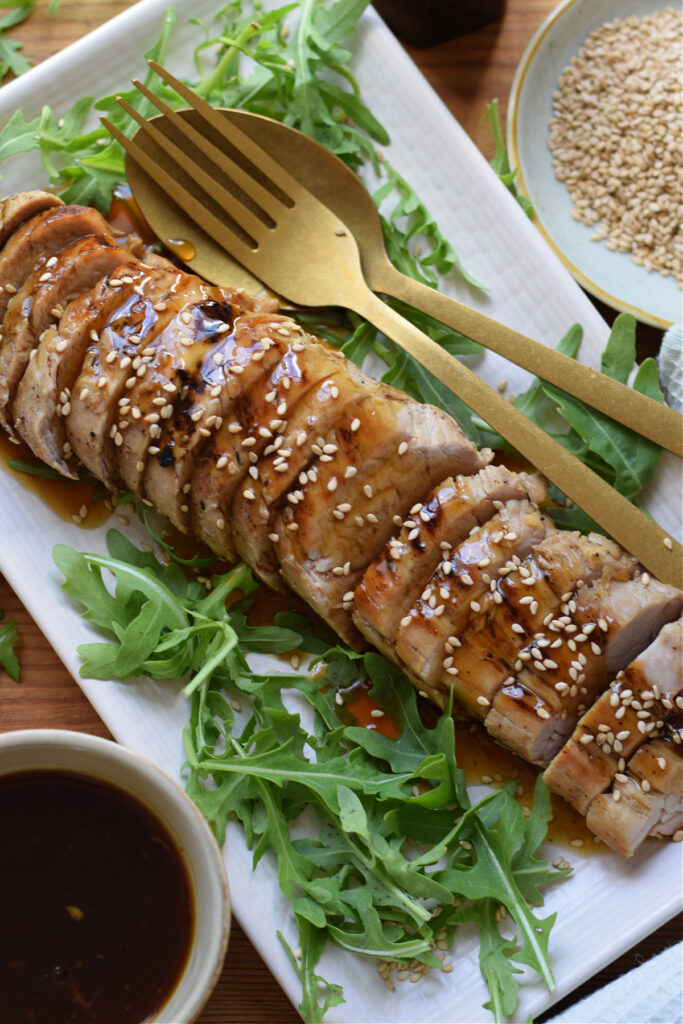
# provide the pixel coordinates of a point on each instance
(355, 424)
(484, 701)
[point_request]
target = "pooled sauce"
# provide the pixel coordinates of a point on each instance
(184, 250)
(68, 498)
(124, 214)
(97, 911)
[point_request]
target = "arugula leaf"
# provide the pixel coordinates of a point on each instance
(8, 659)
(495, 960)
(10, 58)
(501, 162)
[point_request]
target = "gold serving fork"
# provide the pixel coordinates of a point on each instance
(291, 241)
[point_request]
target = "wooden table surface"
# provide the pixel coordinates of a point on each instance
(466, 73)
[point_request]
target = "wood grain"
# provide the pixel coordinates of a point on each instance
(466, 73)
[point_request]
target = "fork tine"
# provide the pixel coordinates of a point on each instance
(216, 229)
(235, 209)
(260, 195)
(259, 157)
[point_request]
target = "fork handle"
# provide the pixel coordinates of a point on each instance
(651, 419)
(630, 527)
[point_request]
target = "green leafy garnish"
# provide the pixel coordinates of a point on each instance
(501, 162)
(8, 659)
(397, 856)
(11, 59)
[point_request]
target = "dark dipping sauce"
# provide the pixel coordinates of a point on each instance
(96, 908)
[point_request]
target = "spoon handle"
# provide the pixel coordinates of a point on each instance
(630, 527)
(651, 419)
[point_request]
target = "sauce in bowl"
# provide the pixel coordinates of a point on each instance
(97, 913)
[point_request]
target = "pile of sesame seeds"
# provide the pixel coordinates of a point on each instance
(616, 138)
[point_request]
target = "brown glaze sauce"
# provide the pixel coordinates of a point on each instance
(125, 214)
(97, 906)
(67, 498)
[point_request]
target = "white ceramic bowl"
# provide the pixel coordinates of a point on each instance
(612, 277)
(101, 759)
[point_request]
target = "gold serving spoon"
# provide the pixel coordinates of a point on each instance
(342, 191)
(285, 236)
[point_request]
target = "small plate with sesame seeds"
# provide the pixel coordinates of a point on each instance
(593, 130)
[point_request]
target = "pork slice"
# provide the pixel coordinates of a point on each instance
(53, 282)
(646, 799)
(116, 359)
(569, 559)
(602, 630)
(255, 348)
(326, 383)
(518, 608)
(49, 377)
(228, 372)
(233, 454)
(384, 452)
(452, 594)
(16, 209)
(622, 718)
(172, 361)
(44, 235)
(393, 582)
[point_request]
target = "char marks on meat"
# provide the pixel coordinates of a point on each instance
(271, 447)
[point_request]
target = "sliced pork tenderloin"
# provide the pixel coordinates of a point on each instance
(48, 380)
(116, 360)
(44, 235)
(518, 608)
(255, 370)
(227, 471)
(458, 506)
(16, 209)
(326, 385)
(602, 630)
(431, 628)
(385, 451)
(51, 285)
(624, 716)
(646, 799)
(173, 361)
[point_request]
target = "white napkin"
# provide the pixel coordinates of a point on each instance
(649, 994)
(670, 363)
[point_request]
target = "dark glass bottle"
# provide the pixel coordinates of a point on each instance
(428, 22)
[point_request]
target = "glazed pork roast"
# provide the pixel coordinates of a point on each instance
(271, 447)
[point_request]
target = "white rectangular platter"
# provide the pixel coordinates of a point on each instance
(608, 904)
